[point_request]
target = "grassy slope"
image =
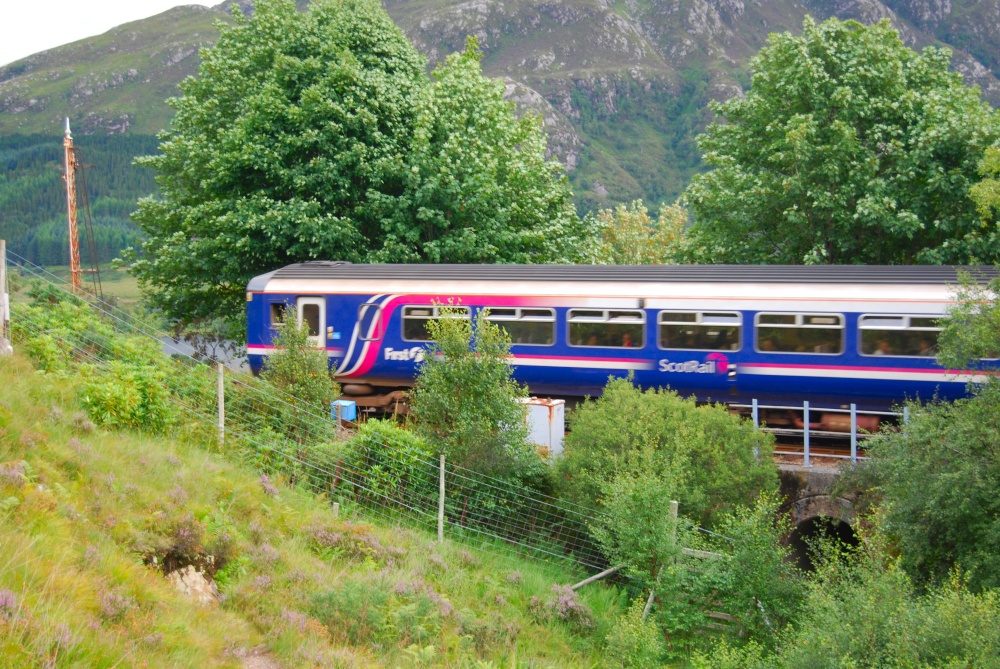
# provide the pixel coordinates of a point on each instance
(73, 538)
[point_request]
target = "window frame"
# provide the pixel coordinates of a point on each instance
(698, 322)
(905, 328)
(519, 318)
(435, 311)
(377, 320)
(275, 308)
(799, 318)
(606, 319)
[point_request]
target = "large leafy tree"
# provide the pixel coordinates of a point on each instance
(849, 147)
(291, 120)
(479, 188)
(318, 135)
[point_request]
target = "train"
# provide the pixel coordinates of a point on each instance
(782, 335)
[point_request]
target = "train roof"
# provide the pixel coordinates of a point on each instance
(775, 274)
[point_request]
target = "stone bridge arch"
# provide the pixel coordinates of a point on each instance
(814, 508)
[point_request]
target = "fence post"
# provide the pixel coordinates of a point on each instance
(805, 434)
(222, 404)
(5, 347)
(652, 591)
(441, 502)
(754, 413)
(906, 415)
(854, 434)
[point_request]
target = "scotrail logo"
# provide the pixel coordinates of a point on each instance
(714, 362)
(416, 354)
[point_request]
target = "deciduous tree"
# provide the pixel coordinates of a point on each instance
(628, 235)
(938, 478)
(478, 186)
(849, 147)
(465, 399)
(318, 135)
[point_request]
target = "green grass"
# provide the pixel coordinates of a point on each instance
(81, 527)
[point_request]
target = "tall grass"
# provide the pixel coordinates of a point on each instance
(88, 518)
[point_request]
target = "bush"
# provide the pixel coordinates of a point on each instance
(939, 485)
(303, 372)
(355, 611)
(861, 610)
(716, 459)
(634, 642)
(395, 462)
(465, 398)
(129, 396)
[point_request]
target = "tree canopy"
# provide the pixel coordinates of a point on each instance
(319, 135)
(478, 186)
(849, 147)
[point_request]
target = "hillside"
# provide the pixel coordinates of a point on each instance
(92, 520)
(623, 85)
(33, 200)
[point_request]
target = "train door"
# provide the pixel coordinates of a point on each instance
(312, 317)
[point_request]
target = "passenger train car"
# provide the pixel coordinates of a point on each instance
(832, 335)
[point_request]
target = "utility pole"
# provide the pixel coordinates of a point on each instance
(74, 237)
(5, 348)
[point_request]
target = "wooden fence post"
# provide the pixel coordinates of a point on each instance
(441, 503)
(5, 347)
(222, 404)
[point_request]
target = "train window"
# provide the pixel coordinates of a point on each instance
(531, 327)
(800, 333)
(607, 327)
(415, 320)
(700, 330)
(278, 312)
(370, 322)
(907, 336)
(310, 318)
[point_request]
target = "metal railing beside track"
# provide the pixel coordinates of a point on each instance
(807, 432)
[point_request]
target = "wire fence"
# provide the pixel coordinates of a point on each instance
(498, 515)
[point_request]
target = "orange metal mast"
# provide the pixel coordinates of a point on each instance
(74, 237)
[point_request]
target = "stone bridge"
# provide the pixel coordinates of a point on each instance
(814, 508)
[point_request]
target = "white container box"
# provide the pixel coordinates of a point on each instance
(546, 420)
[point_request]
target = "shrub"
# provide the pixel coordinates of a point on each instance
(355, 611)
(465, 398)
(862, 610)
(563, 605)
(129, 396)
(396, 462)
(634, 642)
(717, 459)
(417, 621)
(302, 371)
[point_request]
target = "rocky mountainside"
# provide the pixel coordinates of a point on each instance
(623, 85)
